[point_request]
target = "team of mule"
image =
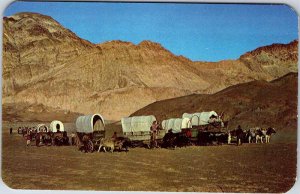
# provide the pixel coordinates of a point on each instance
(252, 135)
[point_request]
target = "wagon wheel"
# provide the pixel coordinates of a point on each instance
(90, 146)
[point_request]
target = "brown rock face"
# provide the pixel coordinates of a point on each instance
(46, 64)
(275, 60)
(256, 103)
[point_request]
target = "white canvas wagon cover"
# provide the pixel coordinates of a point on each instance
(41, 127)
(176, 124)
(200, 118)
(56, 126)
(137, 123)
(90, 123)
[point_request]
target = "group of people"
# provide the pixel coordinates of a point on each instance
(42, 136)
(28, 133)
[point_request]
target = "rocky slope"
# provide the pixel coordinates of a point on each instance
(256, 103)
(44, 63)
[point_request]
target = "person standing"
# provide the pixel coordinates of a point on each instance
(73, 136)
(10, 130)
(37, 140)
(153, 130)
(28, 139)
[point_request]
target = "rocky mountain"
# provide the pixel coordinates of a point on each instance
(256, 103)
(47, 64)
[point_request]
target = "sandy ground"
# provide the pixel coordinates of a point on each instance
(227, 168)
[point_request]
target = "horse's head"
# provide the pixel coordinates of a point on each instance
(271, 130)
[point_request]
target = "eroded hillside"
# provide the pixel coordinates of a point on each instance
(47, 64)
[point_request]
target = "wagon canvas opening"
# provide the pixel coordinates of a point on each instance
(183, 97)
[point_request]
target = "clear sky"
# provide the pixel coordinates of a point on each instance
(205, 32)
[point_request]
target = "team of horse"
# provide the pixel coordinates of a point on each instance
(252, 135)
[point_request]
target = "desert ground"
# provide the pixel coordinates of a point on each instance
(226, 168)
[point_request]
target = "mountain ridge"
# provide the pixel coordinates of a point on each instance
(45, 63)
(251, 104)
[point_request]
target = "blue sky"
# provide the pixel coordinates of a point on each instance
(201, 32)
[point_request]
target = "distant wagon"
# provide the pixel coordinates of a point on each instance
(58, 134)
(137, 129)
(89, 131)
(41, 128)
(42, 135)
(56, 126)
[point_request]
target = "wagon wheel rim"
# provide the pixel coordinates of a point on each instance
(90, 146)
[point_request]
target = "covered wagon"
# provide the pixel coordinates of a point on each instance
(175, 132)
(176, 124)
(43, 135)
(207, 127)
(58, 134)
(204, 120)
(137, 129)
(56, 126)
(41, 128)
(89, 130)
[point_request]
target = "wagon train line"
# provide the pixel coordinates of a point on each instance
(197, 129)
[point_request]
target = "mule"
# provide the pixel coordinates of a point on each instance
(259, 135)
(169, 140)
(212, 138)
(268, 134)
(251, 135)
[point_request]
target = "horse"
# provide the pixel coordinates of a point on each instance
(251, 134)
(239, 134)
(211, 138)
(259, 135)
(268, 134)
(173, 140)
(169, 140)
(221, 138)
